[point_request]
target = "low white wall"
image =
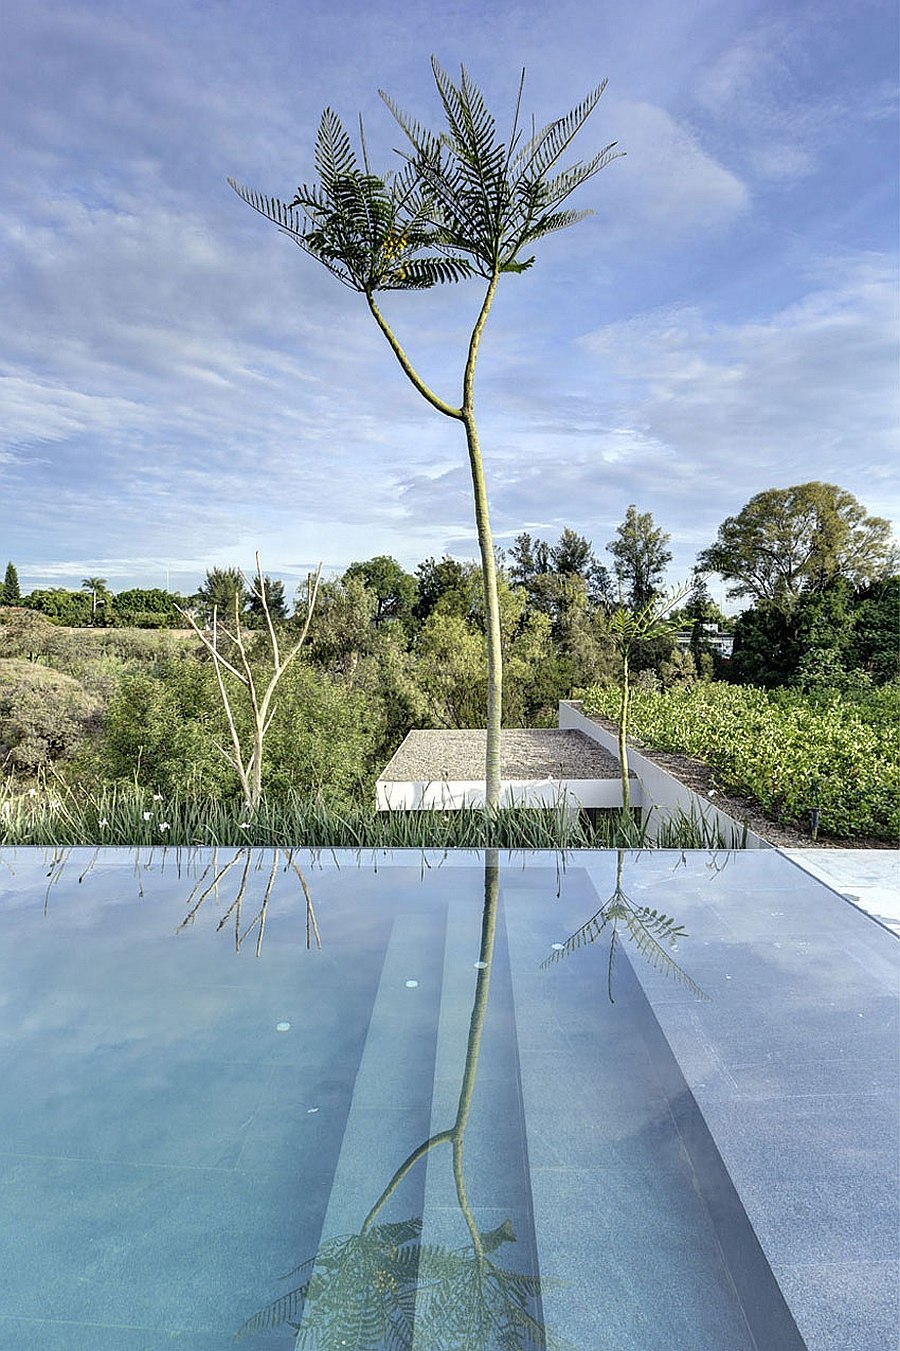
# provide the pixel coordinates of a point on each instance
(663, 794)
(453, 794)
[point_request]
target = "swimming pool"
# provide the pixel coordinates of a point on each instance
(377, 1101)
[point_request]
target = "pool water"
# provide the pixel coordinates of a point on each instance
(342, 1102)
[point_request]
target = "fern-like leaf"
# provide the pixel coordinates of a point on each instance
(335, 157)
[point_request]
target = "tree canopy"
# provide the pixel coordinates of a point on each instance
(789, 540)
(221, 588)
(640, 556)
(393, 587)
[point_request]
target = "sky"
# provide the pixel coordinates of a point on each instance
(181, 386)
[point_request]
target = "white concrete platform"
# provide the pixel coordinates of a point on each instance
(440, 769)
(870, 878)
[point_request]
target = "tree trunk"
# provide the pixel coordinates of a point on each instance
(491, 620)
(623, 734)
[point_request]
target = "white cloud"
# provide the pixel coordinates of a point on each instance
(784, 93)
(809, 392)
(668, 184)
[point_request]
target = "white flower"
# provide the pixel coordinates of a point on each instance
(164, 825)
(103, 822)
(147, 815)
(157, 797)
(32, 792)
(245, 825)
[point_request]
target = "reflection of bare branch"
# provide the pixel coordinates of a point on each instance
(213, 888)
(238, 901)
(261, 915)
(241, 933)
(54, 873)
(310, 912)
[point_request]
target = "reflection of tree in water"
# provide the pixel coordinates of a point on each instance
(647, 928)
(383, 1289)
(242, 930)
(210, 884)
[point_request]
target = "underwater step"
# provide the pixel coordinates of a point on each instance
(628, 1256)
(478, 1265)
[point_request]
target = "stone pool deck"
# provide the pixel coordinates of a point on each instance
(869, 878)
(790, 1080)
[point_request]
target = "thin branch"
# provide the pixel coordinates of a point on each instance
(408, 369)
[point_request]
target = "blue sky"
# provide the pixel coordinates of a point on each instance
(181, 386)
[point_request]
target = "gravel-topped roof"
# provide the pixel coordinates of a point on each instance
(526, 753)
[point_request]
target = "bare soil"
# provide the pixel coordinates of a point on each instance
(701, 777)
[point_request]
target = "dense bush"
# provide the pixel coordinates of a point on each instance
(165, 730)
(45, 716)
(792, 751)
(162, 730)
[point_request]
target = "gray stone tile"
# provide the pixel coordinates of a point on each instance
(121, 1104)
(63, 1335)
(170, 1249)
(636, 1262)
(817, 1175)
(846, 1304)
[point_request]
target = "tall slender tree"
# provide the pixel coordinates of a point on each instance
(640, 556)
(466, 203)
(99, 591)
(10, 593)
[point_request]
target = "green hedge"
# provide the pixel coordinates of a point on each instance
(793, 752)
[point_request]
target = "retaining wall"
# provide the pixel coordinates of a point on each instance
(663, 794)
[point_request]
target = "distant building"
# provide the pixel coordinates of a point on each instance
(718, 642)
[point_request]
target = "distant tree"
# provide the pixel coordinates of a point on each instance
(394, 588)
(572, 556)
(571, 553)
(221, 588)
(542, 569)
(72, 608)
(465, 204)
(527, 558)
(442, 582)
(99, 591)
(767, 649)
(140, 607)
(641, 558)
(10, 593)
(450, 670)
(341, 632)
(699, 613)
(828, 637)
(874, 646)
(274, 598)
(788, 540)
(629, 631)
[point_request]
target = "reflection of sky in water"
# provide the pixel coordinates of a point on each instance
(183, 1123)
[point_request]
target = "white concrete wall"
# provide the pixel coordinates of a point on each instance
(663, 794)
(452, 794)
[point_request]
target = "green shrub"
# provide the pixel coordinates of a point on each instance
(162, 730)
(45, 716)
(834, 750)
